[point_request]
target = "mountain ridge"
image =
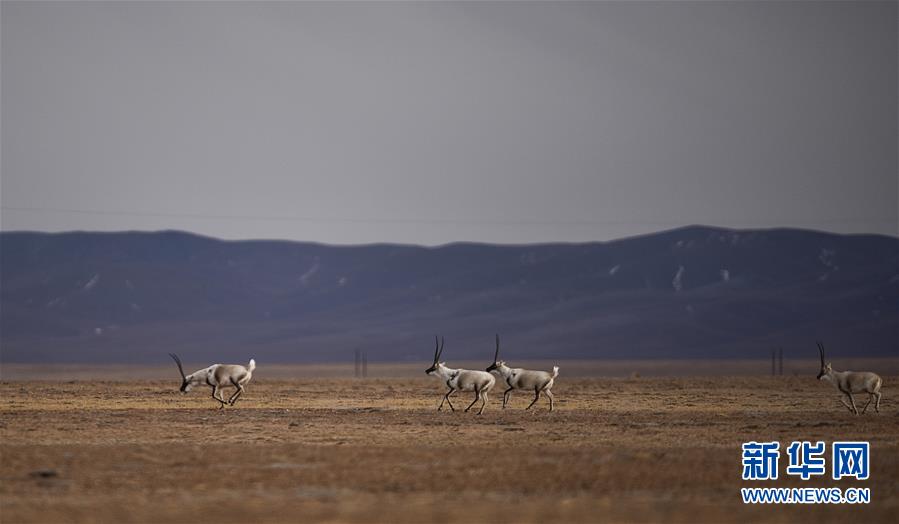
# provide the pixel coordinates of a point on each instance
(694, 291)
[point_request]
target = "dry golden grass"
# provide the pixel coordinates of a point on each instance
(345, 450)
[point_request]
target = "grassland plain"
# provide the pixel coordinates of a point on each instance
(344, 450)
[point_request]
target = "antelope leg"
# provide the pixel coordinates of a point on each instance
(236, 396)
(870, 397)
(852, 400)
(506, 396)
(215, 391)
(477, 396)
(549, 395)
(536, 398)
(447, 400)
(483, 402)
(237, 393)
(843, 400)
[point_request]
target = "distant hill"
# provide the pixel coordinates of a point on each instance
(691, 292)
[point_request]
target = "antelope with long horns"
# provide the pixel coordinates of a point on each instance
(480, 382)
(517, 378)
(217, 376)
(849, 382)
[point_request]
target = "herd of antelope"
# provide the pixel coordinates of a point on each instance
(219, 376)
(481, 382)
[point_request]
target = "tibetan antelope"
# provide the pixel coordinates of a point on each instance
(480, 382)
(517, 378)
(849, 382)
(217, 376)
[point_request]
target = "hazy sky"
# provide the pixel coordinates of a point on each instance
(435, 122)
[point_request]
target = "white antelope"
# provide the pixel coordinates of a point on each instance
(480, 382)
(517, 378)
(849, 382)
(217, 376)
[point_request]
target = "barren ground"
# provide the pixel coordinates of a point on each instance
(335, 450)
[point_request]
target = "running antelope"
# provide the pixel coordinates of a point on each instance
(849, 382)
(517, 378)
(217, 376)
(480, 382)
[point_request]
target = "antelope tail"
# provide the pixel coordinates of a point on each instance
(252, 365)
(555, 371)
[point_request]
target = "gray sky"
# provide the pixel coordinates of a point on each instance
(434, 122)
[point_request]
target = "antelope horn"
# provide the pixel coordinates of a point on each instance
(496, 355)
(178, 361)
(436, 349)
(441, 350)
(821, 351)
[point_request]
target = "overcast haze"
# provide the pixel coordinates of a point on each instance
(429, 123)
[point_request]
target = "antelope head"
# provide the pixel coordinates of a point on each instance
(496, 363)
(438, 350)
(826, 369)
(186, 382)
